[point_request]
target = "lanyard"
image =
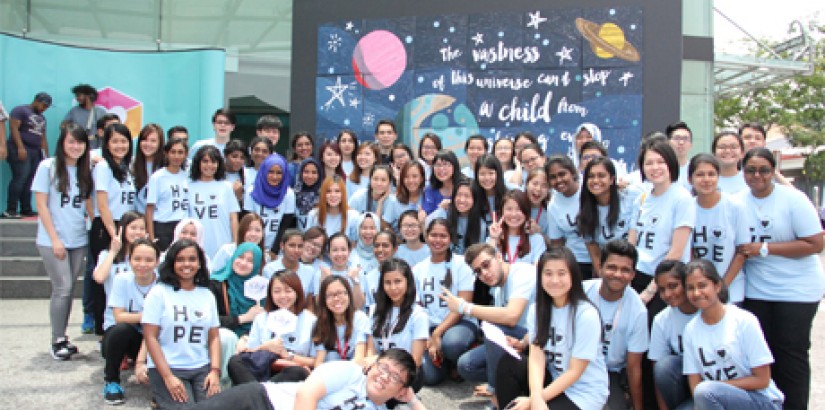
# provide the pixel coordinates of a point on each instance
(608, 334)
(538, 216)
(342, 353)
(389, 328)
(511, 258)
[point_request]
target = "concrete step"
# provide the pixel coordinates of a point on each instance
(18, 246)
(29, 287)
(18, 228)
(22, 266)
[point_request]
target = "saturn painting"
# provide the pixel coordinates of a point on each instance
(607, 40)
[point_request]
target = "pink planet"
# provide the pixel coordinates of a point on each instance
(379, 60)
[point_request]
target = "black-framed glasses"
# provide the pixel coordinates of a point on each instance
(386, 372)
(483, 266)
(760, 170)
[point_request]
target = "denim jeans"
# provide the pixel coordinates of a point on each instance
(454, 342)
(480, 363)
(671, 383)
(714, 395)
(22, 175)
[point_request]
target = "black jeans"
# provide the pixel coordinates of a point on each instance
(512, 381)
(164, 233)
(240, 374)
(99, 240)
(787, 329)
(119, 341)
(249, 396)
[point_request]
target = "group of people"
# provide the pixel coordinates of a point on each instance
(552, 281)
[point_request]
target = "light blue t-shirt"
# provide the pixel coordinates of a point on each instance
(416, 328)
(666, 334)
(539, 214)
(359, 202)
(120, 195)
(458, 247)
(360, 331)
(728, 350)
(537, 247)
(575, 338)
(298, 341)
(353, 187)
(624, 323)
(430, 277)
(784, 215)
(202, 143)
(117, 269)
(272, 217)
(520, 284)
(309, 277)
(170, 194)
(67, 211)
(184, 317)
(714, 239)
(344, 382)
(410, 256)
(126, 294)
(607, 233)
(333, 223)
(212, 203)
(393, 210)
(563, 212)
(658, 216)
(732, 185)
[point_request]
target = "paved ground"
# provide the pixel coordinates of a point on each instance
(31, 379)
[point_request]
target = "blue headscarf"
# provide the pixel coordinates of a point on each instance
(268, 195)
(238, 303)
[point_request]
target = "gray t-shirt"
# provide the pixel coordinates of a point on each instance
(80, 116)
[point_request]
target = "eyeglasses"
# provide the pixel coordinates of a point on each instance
(410, 226)
(483, 266)
(529, 161)
(386, 372)
(442, 165)
(732, 147)
(590, 157)
(760, 170)
(339, 294)
(680, 138)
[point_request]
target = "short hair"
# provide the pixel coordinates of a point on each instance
(85, 89)
(475, 250)
(668, 154)
(677, 126)
(754, 125)
(385, 122)
(727, 133)
(230, 116)
(477, 137)
(404, 359)
(268, 122)
(703, 158)
(432, 137)
(620, 247)
(101, 122)
(447, 156)
(759, 152)
(176, 129)
(166, 273)
(143, 242)
(593, 145)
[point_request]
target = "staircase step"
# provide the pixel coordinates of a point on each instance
(18, 228)
(17, 246)
(27, 287)
(22, 266)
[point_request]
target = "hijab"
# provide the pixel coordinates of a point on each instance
(266, 194)
(364, 251)
(307, 196)
(198, 229)
(238, 303)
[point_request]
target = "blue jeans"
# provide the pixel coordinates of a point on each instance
(719, 395)
(22, 175)
(454, 342)
(671, 383)
(480, 364)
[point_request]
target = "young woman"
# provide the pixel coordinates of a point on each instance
(718, 217)
(397, 321)
(386, 244)
(590, 150)
(444, 178)
(529, 157)
(339, 249)
(272, 199)
(302, 146)
(259, 149)
(428, 147)
(166, 199)
(665, 218)
(363, 255)
(565, 367)
(307, 190)
(666, 335)
(330, 155)
(488, 186)
(401, 155)
(781, 237)
(450, 334)
(284, 293)
(235, 155)
(519, 171)
(250, 229)
(341, 330)
(728, 149)
(538, 193)
(726, 360)
(62, 189)
(474, 148)
(292, 248)
(235, 310)
(366, 157)
(504, 151)
(211, 200)
(148, 159)
(348, 142)
(180, 329)
(409, 194)
(605, 212)
(510, 233)
(123, 337)
(413, 249)
(373, 198)
(315, 242)
(465, 210)
(333, 213)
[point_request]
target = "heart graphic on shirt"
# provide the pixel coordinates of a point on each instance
(608, 327)
(653, 220)
(620, 224)
(185, 190)
(721, 353)
(212, 197)
(198, 314)
(765, 223)
(559, 338)
(291, 339)
(717, 233)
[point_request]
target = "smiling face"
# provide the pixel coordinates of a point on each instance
(504, 152)
(175, 156)
(682, 142)
(438, 239)
(283, 295)
(303, 147)
(728, 151)
(599, 181)
(428, 150)
(259, 152)
(149, 145)
(704, 179)
(134, 231)
(222, 126)
(562, 180)
(274, 175)
(385, 136)
(209, 167)
(312, 248)
(413, 179)
(753, 138)
(617, 272)
(339, 252)
(656, 170)
(537, 189)
(487, 269)
(293, 248)
(556, 281)
(443, 170)
(309, 174)
(758, 175)
(254, 233)
(400, 156)
(671, 289)
(701, 291)
(243, 264)
(395, 285)
(337, 298)
(365, 157)
(410, 228)
(334, 195)
(143, 261)
(512, 215)
(367, 231)
(385, 380)
(186, 264)
(530, 159)
(587, 156)
(383, 248)
(73, 148)
(235, 161)
(330, 158)
(582, 137)
(347, 144)
(189, 232)
(463, 199)
(474, 150)
(118, 146)
(487, 178)
(380, 183)
(272, 134)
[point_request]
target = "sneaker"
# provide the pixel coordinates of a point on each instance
(88, 326)
(113, 393)
(10, 215)
(28, 214)
(60, 350)
(72, 348)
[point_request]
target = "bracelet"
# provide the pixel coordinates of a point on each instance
(140, 362)
(461, 306)
(469, 311)
(215, 369)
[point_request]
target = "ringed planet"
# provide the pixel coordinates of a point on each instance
(607, 40)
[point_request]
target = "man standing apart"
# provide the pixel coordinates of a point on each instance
(25, 150)
(4, 116)
(385, 136)
(85, 113)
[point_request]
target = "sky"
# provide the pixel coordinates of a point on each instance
(768, 19)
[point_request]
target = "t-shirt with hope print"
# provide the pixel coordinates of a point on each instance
(430, 277)
(416, 328)
(714, 239)
(67, 211)
(120, 195)
(272, 217)
(563, 212)
(359, 333)
(170, 194)
(667, 333)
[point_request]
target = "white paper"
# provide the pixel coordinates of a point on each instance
(282, 322)
(255, 288)
(497, 336)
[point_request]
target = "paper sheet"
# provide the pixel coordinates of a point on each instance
(497, 336)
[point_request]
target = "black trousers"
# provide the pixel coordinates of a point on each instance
(249, 396)
(119, 341)
(99, 240)
(240, 374)
(512, 381)
(787, 329)
(164, 233)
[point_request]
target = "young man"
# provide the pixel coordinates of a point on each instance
(754, 136)
(269, 127)
(333, 385)
(177, 131)
(26, 147)
(4, 116)
(223, 122)
(513, 289)
(85, 113)
(624, 322)
(681, 139)
(385, 136)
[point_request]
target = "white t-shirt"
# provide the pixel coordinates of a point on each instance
(170, 194)
(520, 284)
(67, 211)
(360, 331)
(430, 277)
(332, 225)
(577, 338)
(184, 317)
(714, 239)
(298, 341)
(120, 195)
(732, 185)
(563, 212)
(624, 323)
(127, 294)
(272, 216)
(666, 334)
(416, 328)
(410, 256)
(212, 203)
(728, 350)
(658, 216)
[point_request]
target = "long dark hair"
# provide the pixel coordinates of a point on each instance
(139, 170)
(212, 152)
(339, 170)
(448, 277)
(236, 146)
(383, 304)
(401, 191)
(588, 218)
(371, 203)
(524, 241)
(293, 281)
(127, 218)
(706, 268)
(325, 332)
(167, 273)
(119, 171)
(544, 303)
(447, 156)
(489, 161)
(473, 233)
(84, 170)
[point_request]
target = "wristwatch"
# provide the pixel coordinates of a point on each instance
(763, 251)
